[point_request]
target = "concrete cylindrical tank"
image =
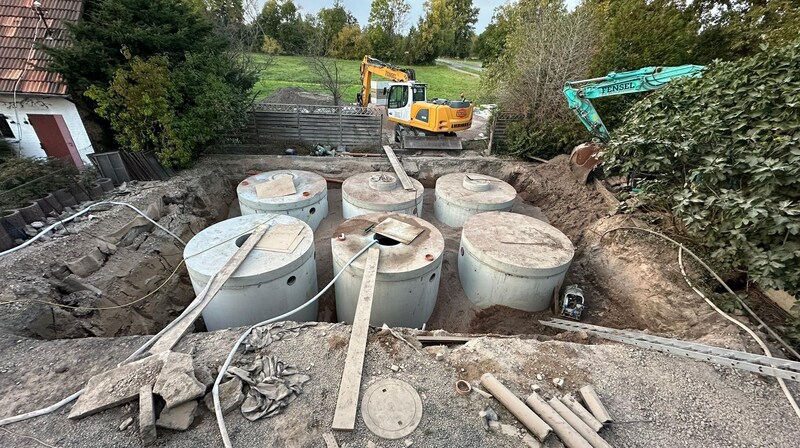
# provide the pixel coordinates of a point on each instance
(379, 193)
(461, 195)
(408, 277)
(268, 283)
(513, 260)
(309, 202)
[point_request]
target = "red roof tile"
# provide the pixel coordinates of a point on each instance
(19, 24)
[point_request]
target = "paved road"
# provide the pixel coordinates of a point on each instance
(459, 67)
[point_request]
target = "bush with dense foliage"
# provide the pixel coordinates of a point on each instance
(723, 153)
(23, 179)
(160, 74)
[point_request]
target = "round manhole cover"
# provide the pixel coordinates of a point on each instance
(391, 408)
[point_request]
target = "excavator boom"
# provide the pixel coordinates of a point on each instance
(579, 94)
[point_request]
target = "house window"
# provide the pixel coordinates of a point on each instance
(5, 129)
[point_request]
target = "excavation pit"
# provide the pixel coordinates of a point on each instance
(201, 197)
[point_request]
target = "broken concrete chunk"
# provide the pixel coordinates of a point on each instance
(176, 382)
(88, 264)
(203, 374)
(179, 417)
(73, 284)
(106, 247)
(147, 415)
(117, 386)
(230, 396)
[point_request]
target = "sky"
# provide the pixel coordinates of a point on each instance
(360, 9)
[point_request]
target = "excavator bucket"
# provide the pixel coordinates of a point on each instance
(584, 159)
(442, 143)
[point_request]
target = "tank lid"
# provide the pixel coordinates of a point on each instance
(399, 261)
(377, 190)
(475, 191)
(517, 244)
(208, 251)
(309, 189)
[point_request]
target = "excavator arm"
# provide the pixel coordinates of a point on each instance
(580, 93)
(370, 66)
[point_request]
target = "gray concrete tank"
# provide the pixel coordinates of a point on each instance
(512, 260)
(268, 283)
(379, 192)
(308, 201)
(408, 277)
(461, 195)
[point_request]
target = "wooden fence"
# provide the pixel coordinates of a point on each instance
(351, 126)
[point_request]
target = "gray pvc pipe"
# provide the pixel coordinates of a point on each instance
(565, 432)
(578, 409)
(595, 405)
(582, 428)
(524, 414)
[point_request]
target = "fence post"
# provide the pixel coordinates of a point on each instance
(255, 124)
(341, 131)
(297, 115)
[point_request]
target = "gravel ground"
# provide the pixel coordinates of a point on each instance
(656, 400)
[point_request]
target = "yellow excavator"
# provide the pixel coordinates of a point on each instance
(419, 123)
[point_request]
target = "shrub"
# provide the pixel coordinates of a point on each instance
(23, 179)
(271, 46)
(725, 153)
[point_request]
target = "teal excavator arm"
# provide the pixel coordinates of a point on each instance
(580, 93)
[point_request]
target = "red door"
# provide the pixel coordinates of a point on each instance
(55, 137)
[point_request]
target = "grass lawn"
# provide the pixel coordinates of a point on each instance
(291, 71)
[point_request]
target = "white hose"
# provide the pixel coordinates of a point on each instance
(86, 210)
(744, 327)
(763, 324)
(140, 350)
(215, 391)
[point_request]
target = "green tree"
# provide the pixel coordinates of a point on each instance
(639, 33)
(351, 43)
(282, 21)
(454, 23)
(490, 43)
(159, 73)
(724, 151)
(387, 19)
(145, 27)
(546, 45)
(331, 21)
(731, 30)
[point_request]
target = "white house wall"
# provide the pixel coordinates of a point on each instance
(28, 141)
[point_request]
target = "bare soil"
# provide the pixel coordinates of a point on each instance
(630, 281)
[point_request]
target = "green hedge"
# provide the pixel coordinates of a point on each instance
(724, 154)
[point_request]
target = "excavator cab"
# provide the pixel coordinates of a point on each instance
(401, 98)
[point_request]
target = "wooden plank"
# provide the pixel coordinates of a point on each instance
(170, 338)
(344, 418)
(398, 168)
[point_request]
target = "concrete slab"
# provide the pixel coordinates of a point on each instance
(176, 382)
(179, 417)
(117, 386)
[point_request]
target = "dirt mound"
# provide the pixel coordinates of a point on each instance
(296, 95)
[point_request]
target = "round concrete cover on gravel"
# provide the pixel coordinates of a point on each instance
(391, 409)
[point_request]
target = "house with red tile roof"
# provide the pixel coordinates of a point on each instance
(36, 114)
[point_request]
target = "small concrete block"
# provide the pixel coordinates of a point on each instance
(179, 417)
(440, 356)
(117, 386)
(176, 382)
(230, 396)
(106, 248)
(395, 368)
(147, 415)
